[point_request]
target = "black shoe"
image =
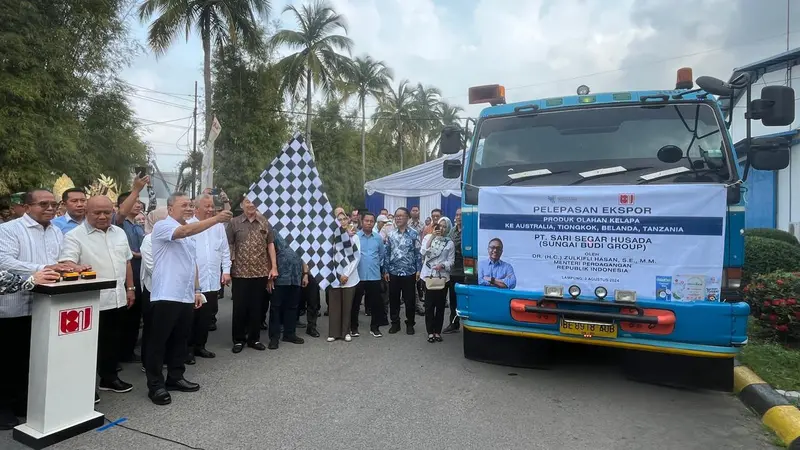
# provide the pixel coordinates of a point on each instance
(212, 327)
(395, 328)
(273, 344)
(96, 398)
(301, 324)
(354, 333)
(257, 345)
(203, 353)
(8, 420)
(119, 368)
(293, 339)
(264, 325)
(312, 332)
(189, 360)
(450, 329)
(238, 347)
(160, 397)
(117, 386)
(409, 329)
(376, 333)
(182, 385)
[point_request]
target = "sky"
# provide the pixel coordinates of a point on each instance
(535, 48)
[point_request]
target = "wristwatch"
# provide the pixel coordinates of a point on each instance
(132, 288)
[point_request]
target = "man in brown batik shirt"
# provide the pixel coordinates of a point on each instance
(252, 256)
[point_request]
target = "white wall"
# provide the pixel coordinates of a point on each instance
(788, 206)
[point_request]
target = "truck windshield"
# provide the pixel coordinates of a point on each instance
(575, 145)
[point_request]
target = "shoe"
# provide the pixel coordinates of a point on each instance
(354, 333)
(238, 347)
(212, 327)
(160, 397)
(395, 328)
(257, 345)
(431, 339)
(293, 339)
(450, 329)
(330, 339)
(182, 385)
(8, 420)
(376, 333)
(348, 338)
(273, 344)
(409, 329)
(301, 324)
(144, 370)
(96, 398)
(117, 386)
(189, 360)
(312, 332)
(203, 353)
(438, 338)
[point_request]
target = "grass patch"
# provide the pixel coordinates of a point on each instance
(776, 363)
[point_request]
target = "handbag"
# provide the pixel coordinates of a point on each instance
(435, 283)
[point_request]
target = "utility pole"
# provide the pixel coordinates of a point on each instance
(194, 147)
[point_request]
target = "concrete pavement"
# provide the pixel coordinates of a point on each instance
(401, 392)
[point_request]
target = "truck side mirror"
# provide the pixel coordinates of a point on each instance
(769, 159)
(450, 141)
(451, 168)
(775, 107)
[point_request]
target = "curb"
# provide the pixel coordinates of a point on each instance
(774, 410)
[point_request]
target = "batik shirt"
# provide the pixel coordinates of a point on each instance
(10, 283)
(290, 265)
(402, 253)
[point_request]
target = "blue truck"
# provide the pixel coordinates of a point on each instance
(679, 136)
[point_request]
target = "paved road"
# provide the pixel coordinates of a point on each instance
(400, 392)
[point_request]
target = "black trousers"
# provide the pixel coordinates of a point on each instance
(371, 291)
(202, 320)
(170, 325)
(311, 298)
(283, 311)
(406, 287)
(108, 342)
(434, 310)
(266, 299)
(147, 316)
(248, 314)
(451, 287)
(131, 319)
(15, 346)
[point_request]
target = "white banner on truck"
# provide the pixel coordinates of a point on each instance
(666, 242)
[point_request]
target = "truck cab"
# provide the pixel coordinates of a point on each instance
(674, 137)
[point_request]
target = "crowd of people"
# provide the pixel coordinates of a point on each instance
(173, 264)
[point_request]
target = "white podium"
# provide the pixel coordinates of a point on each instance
(63, 364)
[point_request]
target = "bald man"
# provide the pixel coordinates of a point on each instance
(104, 246)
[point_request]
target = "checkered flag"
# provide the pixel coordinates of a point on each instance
(290, 194)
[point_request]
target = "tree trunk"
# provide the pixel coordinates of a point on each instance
(363, 142)
(400, 144)
(308, 105)
(207, 85)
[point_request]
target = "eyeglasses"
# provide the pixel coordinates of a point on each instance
(45, 205)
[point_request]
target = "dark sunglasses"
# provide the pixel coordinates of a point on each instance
(45, 204)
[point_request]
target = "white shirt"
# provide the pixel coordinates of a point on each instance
(351, 271)
(174, 264)
(146, 272)
(213, 256)
(25, 247)
(107, 252)
(446, 258)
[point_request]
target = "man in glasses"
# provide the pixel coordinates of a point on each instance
(75, 201)
(494, 271)
(28, 244)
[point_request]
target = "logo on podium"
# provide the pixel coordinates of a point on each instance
(72, 321)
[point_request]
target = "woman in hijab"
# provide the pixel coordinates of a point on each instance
(345, 259)
(438, 256)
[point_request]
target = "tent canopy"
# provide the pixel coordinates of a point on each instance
(418, 181)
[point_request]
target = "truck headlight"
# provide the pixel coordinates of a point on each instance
(574, 291)
(554, 291)
(625, 296)
(600, 292)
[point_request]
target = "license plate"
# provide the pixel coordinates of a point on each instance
(588, 329)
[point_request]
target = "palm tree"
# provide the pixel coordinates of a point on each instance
(316, 63)
(395, 113)
(426, 106)
(366, 77)
(223, 22)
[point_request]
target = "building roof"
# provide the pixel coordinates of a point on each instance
(781, 61)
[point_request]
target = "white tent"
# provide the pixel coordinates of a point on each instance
(422, 185)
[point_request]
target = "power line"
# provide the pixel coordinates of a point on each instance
(171, 94)
(148, 122)
(161, 102)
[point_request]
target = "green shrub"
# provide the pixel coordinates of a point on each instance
(771, 233)
(764, 255)
(773, 300)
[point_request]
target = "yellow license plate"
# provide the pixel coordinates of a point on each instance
(588, 329)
